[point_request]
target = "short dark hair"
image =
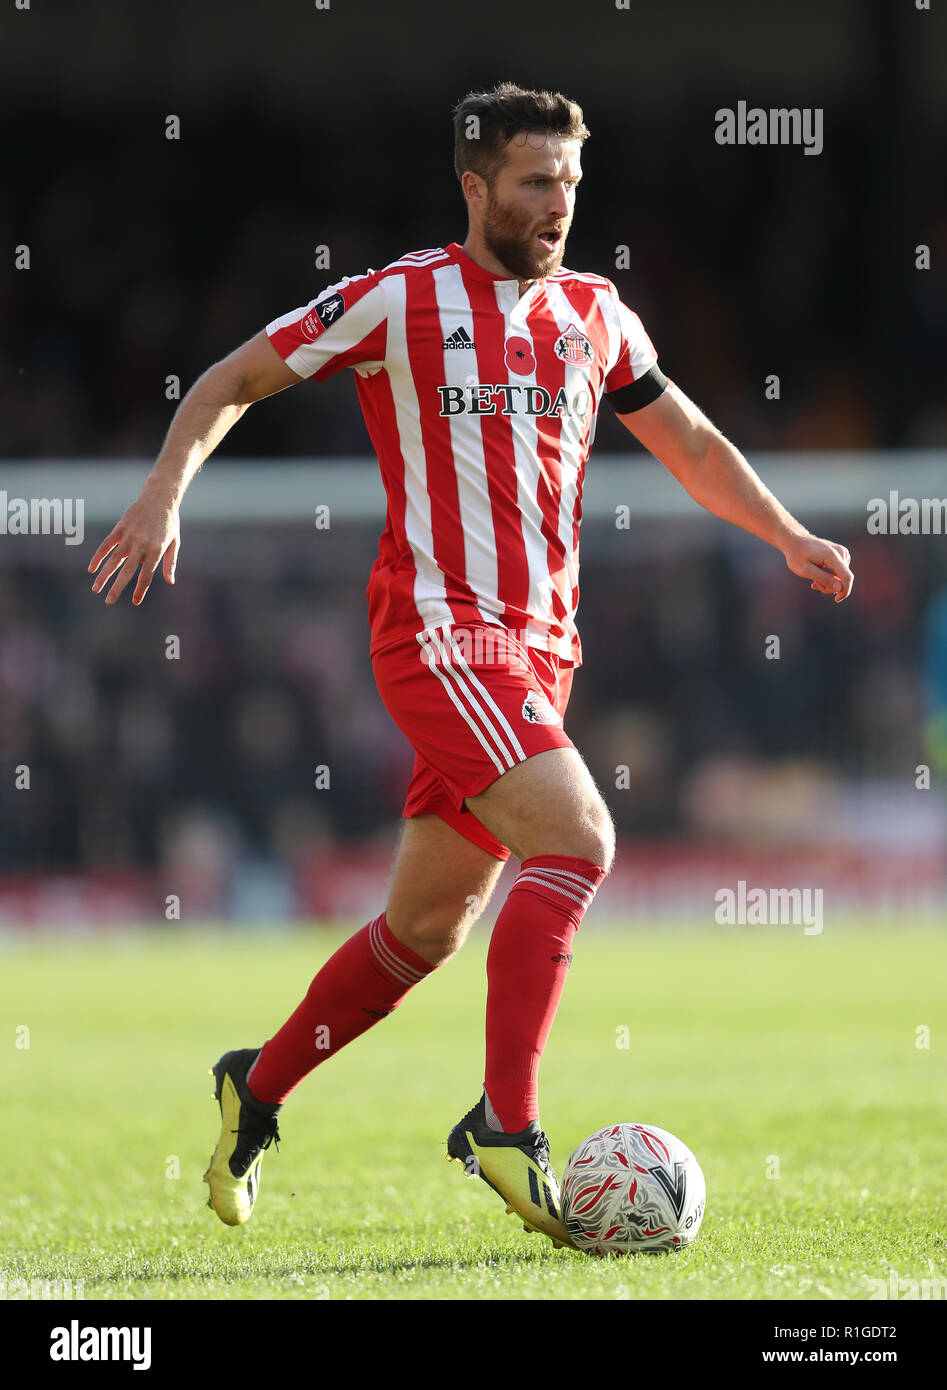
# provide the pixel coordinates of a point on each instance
(480, 143)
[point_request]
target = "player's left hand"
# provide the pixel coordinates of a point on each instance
(825, 563)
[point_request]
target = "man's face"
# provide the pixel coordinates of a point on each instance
(529, 209)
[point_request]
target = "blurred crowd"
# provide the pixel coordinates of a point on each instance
(240, 704)
(152, 258)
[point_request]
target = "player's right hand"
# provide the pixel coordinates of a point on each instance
(149, 531)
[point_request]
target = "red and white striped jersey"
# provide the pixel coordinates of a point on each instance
(481, 406)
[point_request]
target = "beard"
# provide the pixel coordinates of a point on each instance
(510, 235)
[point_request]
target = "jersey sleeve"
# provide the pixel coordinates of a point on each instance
(635, 379)
(344, 326)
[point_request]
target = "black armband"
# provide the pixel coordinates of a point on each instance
(638, 393)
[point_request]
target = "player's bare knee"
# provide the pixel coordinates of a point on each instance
(607, 846)
(434, 936)
(588, 834)
(600, 837)
(595, 829)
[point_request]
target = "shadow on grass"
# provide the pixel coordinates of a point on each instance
(362, 1266)
(496, 1258)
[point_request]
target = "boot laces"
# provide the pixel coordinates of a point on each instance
(262, 1135)
(541, 1150)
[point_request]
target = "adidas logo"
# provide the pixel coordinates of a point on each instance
(460, 338)
(534, 1194)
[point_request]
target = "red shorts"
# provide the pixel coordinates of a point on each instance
(473, 702)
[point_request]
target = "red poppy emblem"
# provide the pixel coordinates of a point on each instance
(519, 356)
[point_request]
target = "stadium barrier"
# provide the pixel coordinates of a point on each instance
(695, 885)
(828, 484)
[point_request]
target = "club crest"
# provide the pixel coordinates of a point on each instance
(573, 347)
(538, 710)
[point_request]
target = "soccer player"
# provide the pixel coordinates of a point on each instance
(480, 371)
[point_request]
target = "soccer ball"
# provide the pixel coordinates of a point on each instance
(632, 1188)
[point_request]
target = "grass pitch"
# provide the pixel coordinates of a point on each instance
(789, 1064)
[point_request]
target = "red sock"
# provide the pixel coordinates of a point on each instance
(362, 982)
(530, 953)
